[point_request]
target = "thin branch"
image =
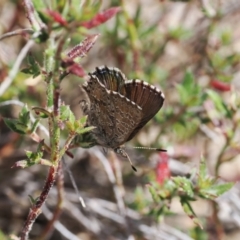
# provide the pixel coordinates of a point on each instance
(49, 228)
(16, 32)
(32, 16)
(35, 210)
(116, 188)
(96, 152)
(12, 74)
(73, 183)
(59, 227)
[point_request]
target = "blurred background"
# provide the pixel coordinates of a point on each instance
(188, 49)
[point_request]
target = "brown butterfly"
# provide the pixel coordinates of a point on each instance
(118, 108)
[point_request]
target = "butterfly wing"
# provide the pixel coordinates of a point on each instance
(146, 96)
(112, 78)
(128, 116)
(113, 115)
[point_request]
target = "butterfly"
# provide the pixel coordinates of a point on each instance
(118, 108)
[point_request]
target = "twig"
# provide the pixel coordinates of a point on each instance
(59, 227)
(60, 182)
(111, 177)
(12, 74)
(36, 208)
(118, 189)
(73, 183)
(16, 32)
(32, 16)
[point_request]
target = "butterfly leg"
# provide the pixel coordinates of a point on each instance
(123, 153)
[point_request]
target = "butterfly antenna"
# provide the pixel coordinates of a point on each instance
(149, 148)
(125, 155)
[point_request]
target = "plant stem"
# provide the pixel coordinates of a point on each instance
(35, 210)
(48, 229)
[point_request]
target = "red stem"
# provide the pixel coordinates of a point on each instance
(49, 228)
(35, 210)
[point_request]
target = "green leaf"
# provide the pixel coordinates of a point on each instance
(83, 120)
(34, 126)
(33, 67)
(28, 154)
(188, 90)
(226, 37)
(24, 115)
(218, 102)
(215, 190)
(168, 189)
(188, 81)
(66, 114)
(14, 125)
(179, 33)
(70, 126)
(39, 4)
(189, 211)
(33, 157)
(22, 125)
(41, 112)
(204, 180)
(202, 169)
(185, 184)
(154, 194)
(32, 199)
(84, 130)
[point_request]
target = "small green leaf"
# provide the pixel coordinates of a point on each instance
(189, 211)
(24, 115)
(34, 126)
(188, 90)
(179, 33)
(202, 169)
(71, 117)
(32, 199)
(218, 102)
(33, 67)
(154, 194)
(216, 190)
(67, 115)
(226, 37)
(38, 5)
(29, 154)
(83, 120)
(84, 130)
(14, 125)
(188, 81)
(41, 112)
(204, 180)
(34, 157)
(70, 126)
(185, 184)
